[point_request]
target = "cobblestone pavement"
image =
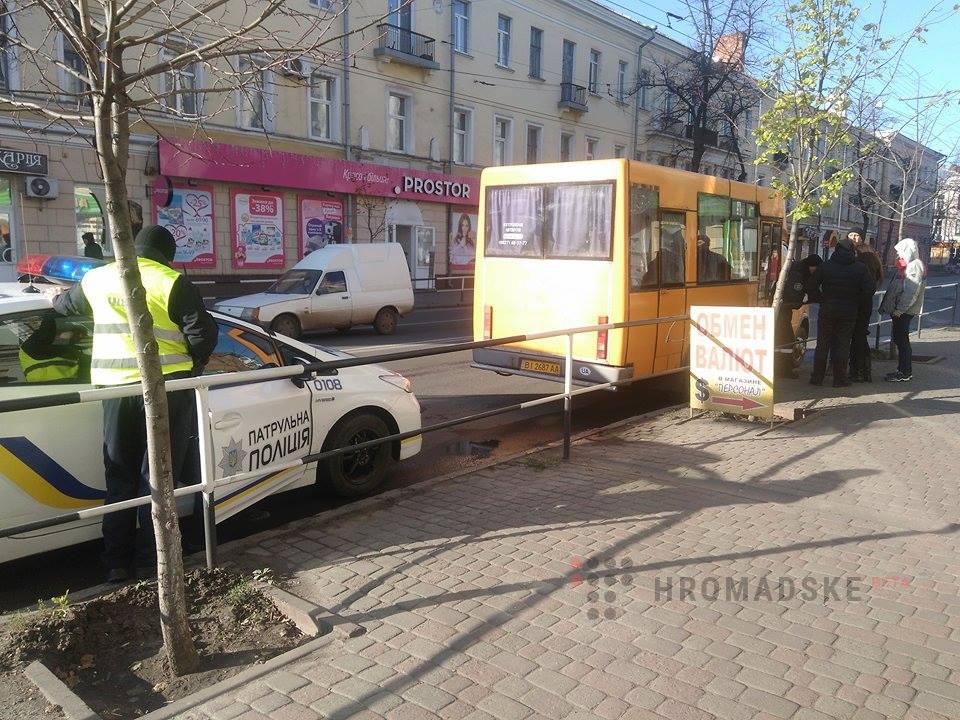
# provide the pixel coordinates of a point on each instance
(539, 589)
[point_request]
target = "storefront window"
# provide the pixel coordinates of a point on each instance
(88, 206)
(6, 221)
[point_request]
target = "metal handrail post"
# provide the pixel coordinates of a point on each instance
(567, 397)
(920, 316)
(207, 477)
(956, 304)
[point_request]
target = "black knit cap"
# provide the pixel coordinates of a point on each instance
(156, 243)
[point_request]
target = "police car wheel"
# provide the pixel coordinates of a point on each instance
(286, 325)
(358, 473)
(385, 322)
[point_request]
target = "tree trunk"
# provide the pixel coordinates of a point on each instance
(784, 266)
(112, 137)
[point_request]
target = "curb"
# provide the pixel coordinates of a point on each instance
(55, 691)
(177, 707)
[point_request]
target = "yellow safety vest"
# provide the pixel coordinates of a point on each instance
(114, 358)
(49, 369)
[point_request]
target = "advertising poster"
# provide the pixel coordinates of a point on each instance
(257, 229)
(463, 244)
(731, 360)
(321, 223)
(189, 217)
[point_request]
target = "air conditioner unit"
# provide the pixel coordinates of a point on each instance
(47, 188)
(293, 68)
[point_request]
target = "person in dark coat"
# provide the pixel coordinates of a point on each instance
(845, 287)
(801, 287)
(91, 248)
(860, 365)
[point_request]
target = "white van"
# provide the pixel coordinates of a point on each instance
(337, 286)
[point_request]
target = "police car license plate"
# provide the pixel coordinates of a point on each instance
(540, 366)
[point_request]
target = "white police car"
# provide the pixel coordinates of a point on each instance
(51, 459)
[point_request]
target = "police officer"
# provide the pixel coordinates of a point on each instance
(800, 287)
(186, 335)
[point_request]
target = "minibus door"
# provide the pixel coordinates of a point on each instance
(672, 301)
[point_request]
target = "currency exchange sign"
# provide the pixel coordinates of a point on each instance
(731, 360)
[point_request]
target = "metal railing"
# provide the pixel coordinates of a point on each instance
(573, 95)
(405, 41)
(954, 309)
(300, 373)
(432, 281)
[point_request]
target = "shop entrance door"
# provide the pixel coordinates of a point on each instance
(7, 253)
(419, 243)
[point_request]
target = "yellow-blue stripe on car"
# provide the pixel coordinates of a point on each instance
(43, 478)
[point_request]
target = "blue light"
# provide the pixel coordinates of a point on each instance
(73, 269)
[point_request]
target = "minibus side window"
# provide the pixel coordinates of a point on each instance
(644, 202)
(727, 239)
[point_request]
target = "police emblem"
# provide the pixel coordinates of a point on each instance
(232, 457)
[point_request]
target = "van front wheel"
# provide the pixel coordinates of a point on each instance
(386, 320)
(286, 325)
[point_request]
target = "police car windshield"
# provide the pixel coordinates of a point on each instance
(296, 282)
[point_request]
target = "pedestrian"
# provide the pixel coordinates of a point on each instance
(91, 248)
(860, 360)
(800, 288)
(186, 335)
(845, 285)
(903, 301)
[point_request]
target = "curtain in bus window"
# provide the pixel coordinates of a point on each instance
(513, 222)
(713, 239)
(644, 201)
(580, 221)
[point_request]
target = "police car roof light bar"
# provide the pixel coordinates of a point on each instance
(64, 268)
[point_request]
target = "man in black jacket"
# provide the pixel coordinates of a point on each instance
(845, 287)
(801, 287)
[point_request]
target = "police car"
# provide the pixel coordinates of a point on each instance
(51, 459)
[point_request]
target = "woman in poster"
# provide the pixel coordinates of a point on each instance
(463, 249)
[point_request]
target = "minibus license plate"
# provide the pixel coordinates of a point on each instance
(540, 366)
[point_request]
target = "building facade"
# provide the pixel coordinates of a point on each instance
(386, 145)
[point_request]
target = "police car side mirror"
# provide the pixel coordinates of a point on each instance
(299, 381)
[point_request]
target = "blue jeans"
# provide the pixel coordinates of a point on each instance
(900, 335)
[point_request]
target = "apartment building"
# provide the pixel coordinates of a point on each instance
(946, 234)
(385, 145)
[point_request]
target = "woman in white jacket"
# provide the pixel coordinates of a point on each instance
(903, 301)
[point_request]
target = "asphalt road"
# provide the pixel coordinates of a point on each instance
(447, 388)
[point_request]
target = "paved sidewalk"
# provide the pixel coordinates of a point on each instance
(529, 590)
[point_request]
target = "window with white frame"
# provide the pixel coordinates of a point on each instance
(502, 136)
(461, 26)
(180, 85)
(593, 78)
(592, 148)
(622, 82)
(566, 147)
(536, 53)
(398, 122)
(74, 67)
(619, 151)
(462, 132)
(6, 51)
(534, 144)
(644, 89)
(322, 105)
(503, 40)
(253, 94)
(323, 4)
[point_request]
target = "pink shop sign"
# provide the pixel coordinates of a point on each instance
(203, 160)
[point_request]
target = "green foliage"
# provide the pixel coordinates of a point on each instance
(804, 131)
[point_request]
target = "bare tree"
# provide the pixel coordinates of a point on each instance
(911, 166)
(706, 93)
(106, 67)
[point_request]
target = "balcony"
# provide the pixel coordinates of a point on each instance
(403, 45)
(573, 97)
